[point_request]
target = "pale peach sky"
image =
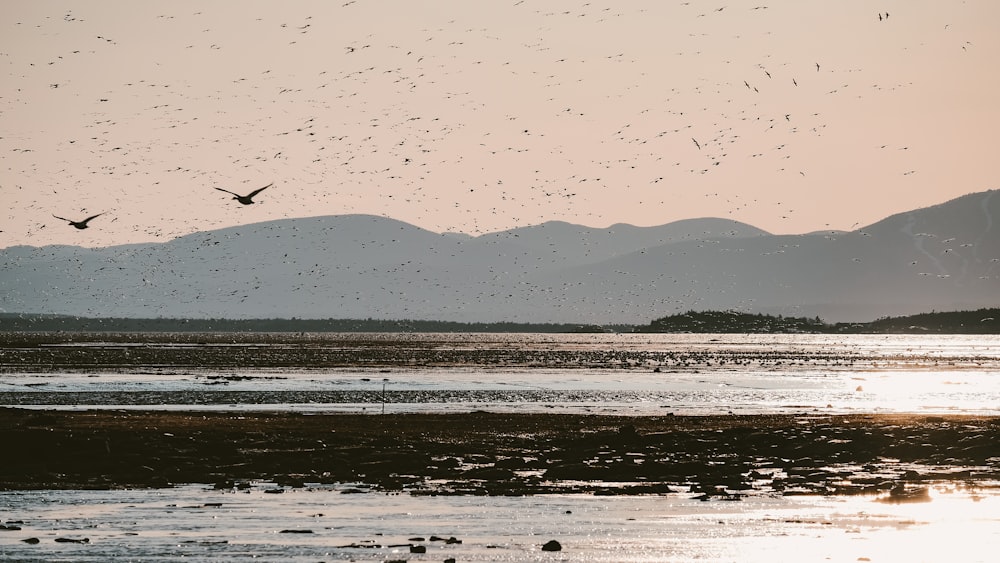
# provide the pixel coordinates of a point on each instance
(482, 116)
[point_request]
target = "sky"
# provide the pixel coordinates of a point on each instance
(791, 115)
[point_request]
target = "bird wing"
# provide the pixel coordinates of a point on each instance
(62, 218)
(228, 192)
(91, 217)
(257, 191)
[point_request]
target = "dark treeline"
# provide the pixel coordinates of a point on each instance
(981, 321)
(732, 321)
(46, 323)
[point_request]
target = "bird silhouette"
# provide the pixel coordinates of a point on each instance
(245, 199)
(79, 224)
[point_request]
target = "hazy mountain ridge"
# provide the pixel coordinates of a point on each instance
(943, 257)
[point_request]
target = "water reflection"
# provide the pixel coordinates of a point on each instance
(197, 523)
(606, 373)
(600, 373)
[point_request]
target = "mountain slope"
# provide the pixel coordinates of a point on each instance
(359, 266)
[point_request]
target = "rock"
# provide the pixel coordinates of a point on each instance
(552, 545)
(72, 540)
(32, 541)
(418, 549)
(295, 532)
(900, 495)
(289, 481)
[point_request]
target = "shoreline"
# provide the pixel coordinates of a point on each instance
(484, 453)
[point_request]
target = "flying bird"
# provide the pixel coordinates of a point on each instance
(244, 199)
(79, 224)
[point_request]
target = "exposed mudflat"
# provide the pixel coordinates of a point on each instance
(499, 454)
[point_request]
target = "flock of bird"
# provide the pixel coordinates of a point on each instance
(451, 118)
(505, 115)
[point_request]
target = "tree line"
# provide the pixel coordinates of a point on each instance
(980, 321)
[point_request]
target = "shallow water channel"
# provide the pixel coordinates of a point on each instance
(198, 523)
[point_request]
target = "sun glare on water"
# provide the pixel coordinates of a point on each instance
(919, 391)
(934, 523)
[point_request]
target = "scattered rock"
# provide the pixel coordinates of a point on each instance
(552, 545)
(418, 549)
(367, 545)
(32, 541)
(900, 495)
(72, 540)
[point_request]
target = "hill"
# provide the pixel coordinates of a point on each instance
(980, 321)
(945, 257)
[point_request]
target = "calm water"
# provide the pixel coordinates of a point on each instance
(195, 523)
(621, 374)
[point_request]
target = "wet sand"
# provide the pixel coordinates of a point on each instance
(481, 453)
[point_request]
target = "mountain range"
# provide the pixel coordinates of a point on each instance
(945, 257)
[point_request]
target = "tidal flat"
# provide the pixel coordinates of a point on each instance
(617, 447)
